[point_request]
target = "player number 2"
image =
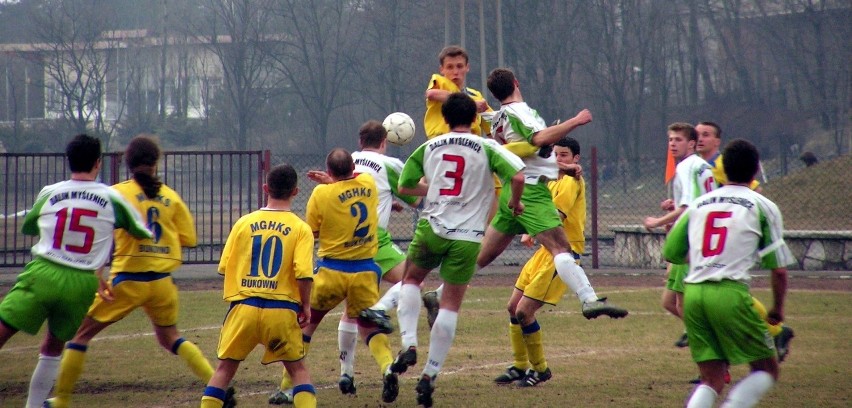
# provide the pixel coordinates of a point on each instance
(75, 226)
(359, 210)
(455, 175)
(715, 246)
(266, 256)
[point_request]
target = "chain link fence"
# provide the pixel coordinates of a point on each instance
(219, 187)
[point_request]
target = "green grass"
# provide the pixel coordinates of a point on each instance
(599, 363)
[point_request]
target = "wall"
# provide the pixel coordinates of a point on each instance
(635, 247)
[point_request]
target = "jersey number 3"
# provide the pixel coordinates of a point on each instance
(75, 226)
(711, 230)
(455, 175)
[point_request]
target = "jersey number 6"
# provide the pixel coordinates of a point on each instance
(711, 230)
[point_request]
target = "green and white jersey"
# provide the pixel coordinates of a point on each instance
(724, 233)
(75, 221)
(693, 177)
(385, 171)
(518, 122)
(458, 168)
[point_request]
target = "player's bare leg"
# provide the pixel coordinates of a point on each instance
(493, 244)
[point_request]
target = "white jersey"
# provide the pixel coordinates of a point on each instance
(385, 171)
(726, 232)
(693, 177)
(517, 122)
(457, 168)
(75, 221)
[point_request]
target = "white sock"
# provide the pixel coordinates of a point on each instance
(42, 380)
(440, 340)
(440, 291)
(408, 313)
(575, 277)
(390, 300)
(347, 339)
(748, 392)
(704, 396)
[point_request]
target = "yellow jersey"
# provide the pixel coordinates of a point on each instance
(170, 221)
(344, 216)
(569, 195)
(433, 121)
(719, 172)
(266, 251)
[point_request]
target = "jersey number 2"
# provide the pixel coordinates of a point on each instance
(455, 175)
(711, 231)
(88, 232)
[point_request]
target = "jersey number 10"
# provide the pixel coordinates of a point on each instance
(266, 256)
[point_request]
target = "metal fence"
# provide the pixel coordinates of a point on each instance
(219, 187)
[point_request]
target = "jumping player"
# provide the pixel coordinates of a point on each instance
(458, 190)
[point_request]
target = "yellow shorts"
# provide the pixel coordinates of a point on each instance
(538, 279)
(154, 292)
(336, 280)
(270, 323)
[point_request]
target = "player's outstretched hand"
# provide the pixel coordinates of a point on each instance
(585, 116)
(667, 205)
(319, 176)
(650, 223)
(527, 240)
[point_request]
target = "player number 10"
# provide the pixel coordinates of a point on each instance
(266, 256)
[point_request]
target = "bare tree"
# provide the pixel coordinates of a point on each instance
(316, 56)
(237, 31)
(619, 36)
(809, 43)
(77, 59)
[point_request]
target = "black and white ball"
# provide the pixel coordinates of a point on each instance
(400, 128)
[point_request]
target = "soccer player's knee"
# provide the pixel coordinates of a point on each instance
(523, 316)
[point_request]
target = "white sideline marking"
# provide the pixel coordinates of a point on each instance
(130, 336)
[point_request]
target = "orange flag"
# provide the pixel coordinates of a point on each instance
(670, 166)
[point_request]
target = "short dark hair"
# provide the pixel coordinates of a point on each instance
(713, 125)
(452, 51)
(459, 110)
(569, 142)
(501, 83)
(141, 157)
(687, 129)
(83, 151)
(741, 161)
(281, 181)
(339, 163)
(372, 134)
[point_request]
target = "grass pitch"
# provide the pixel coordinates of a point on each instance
(600, 363)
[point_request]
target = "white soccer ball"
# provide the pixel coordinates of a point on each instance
(400, 128)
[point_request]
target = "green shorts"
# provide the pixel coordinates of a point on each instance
(676, 274)
(389, 254)
(457, 258)
(49, 291)
(539, 214)
(722, 324)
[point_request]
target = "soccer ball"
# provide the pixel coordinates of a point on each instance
(400, 128)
